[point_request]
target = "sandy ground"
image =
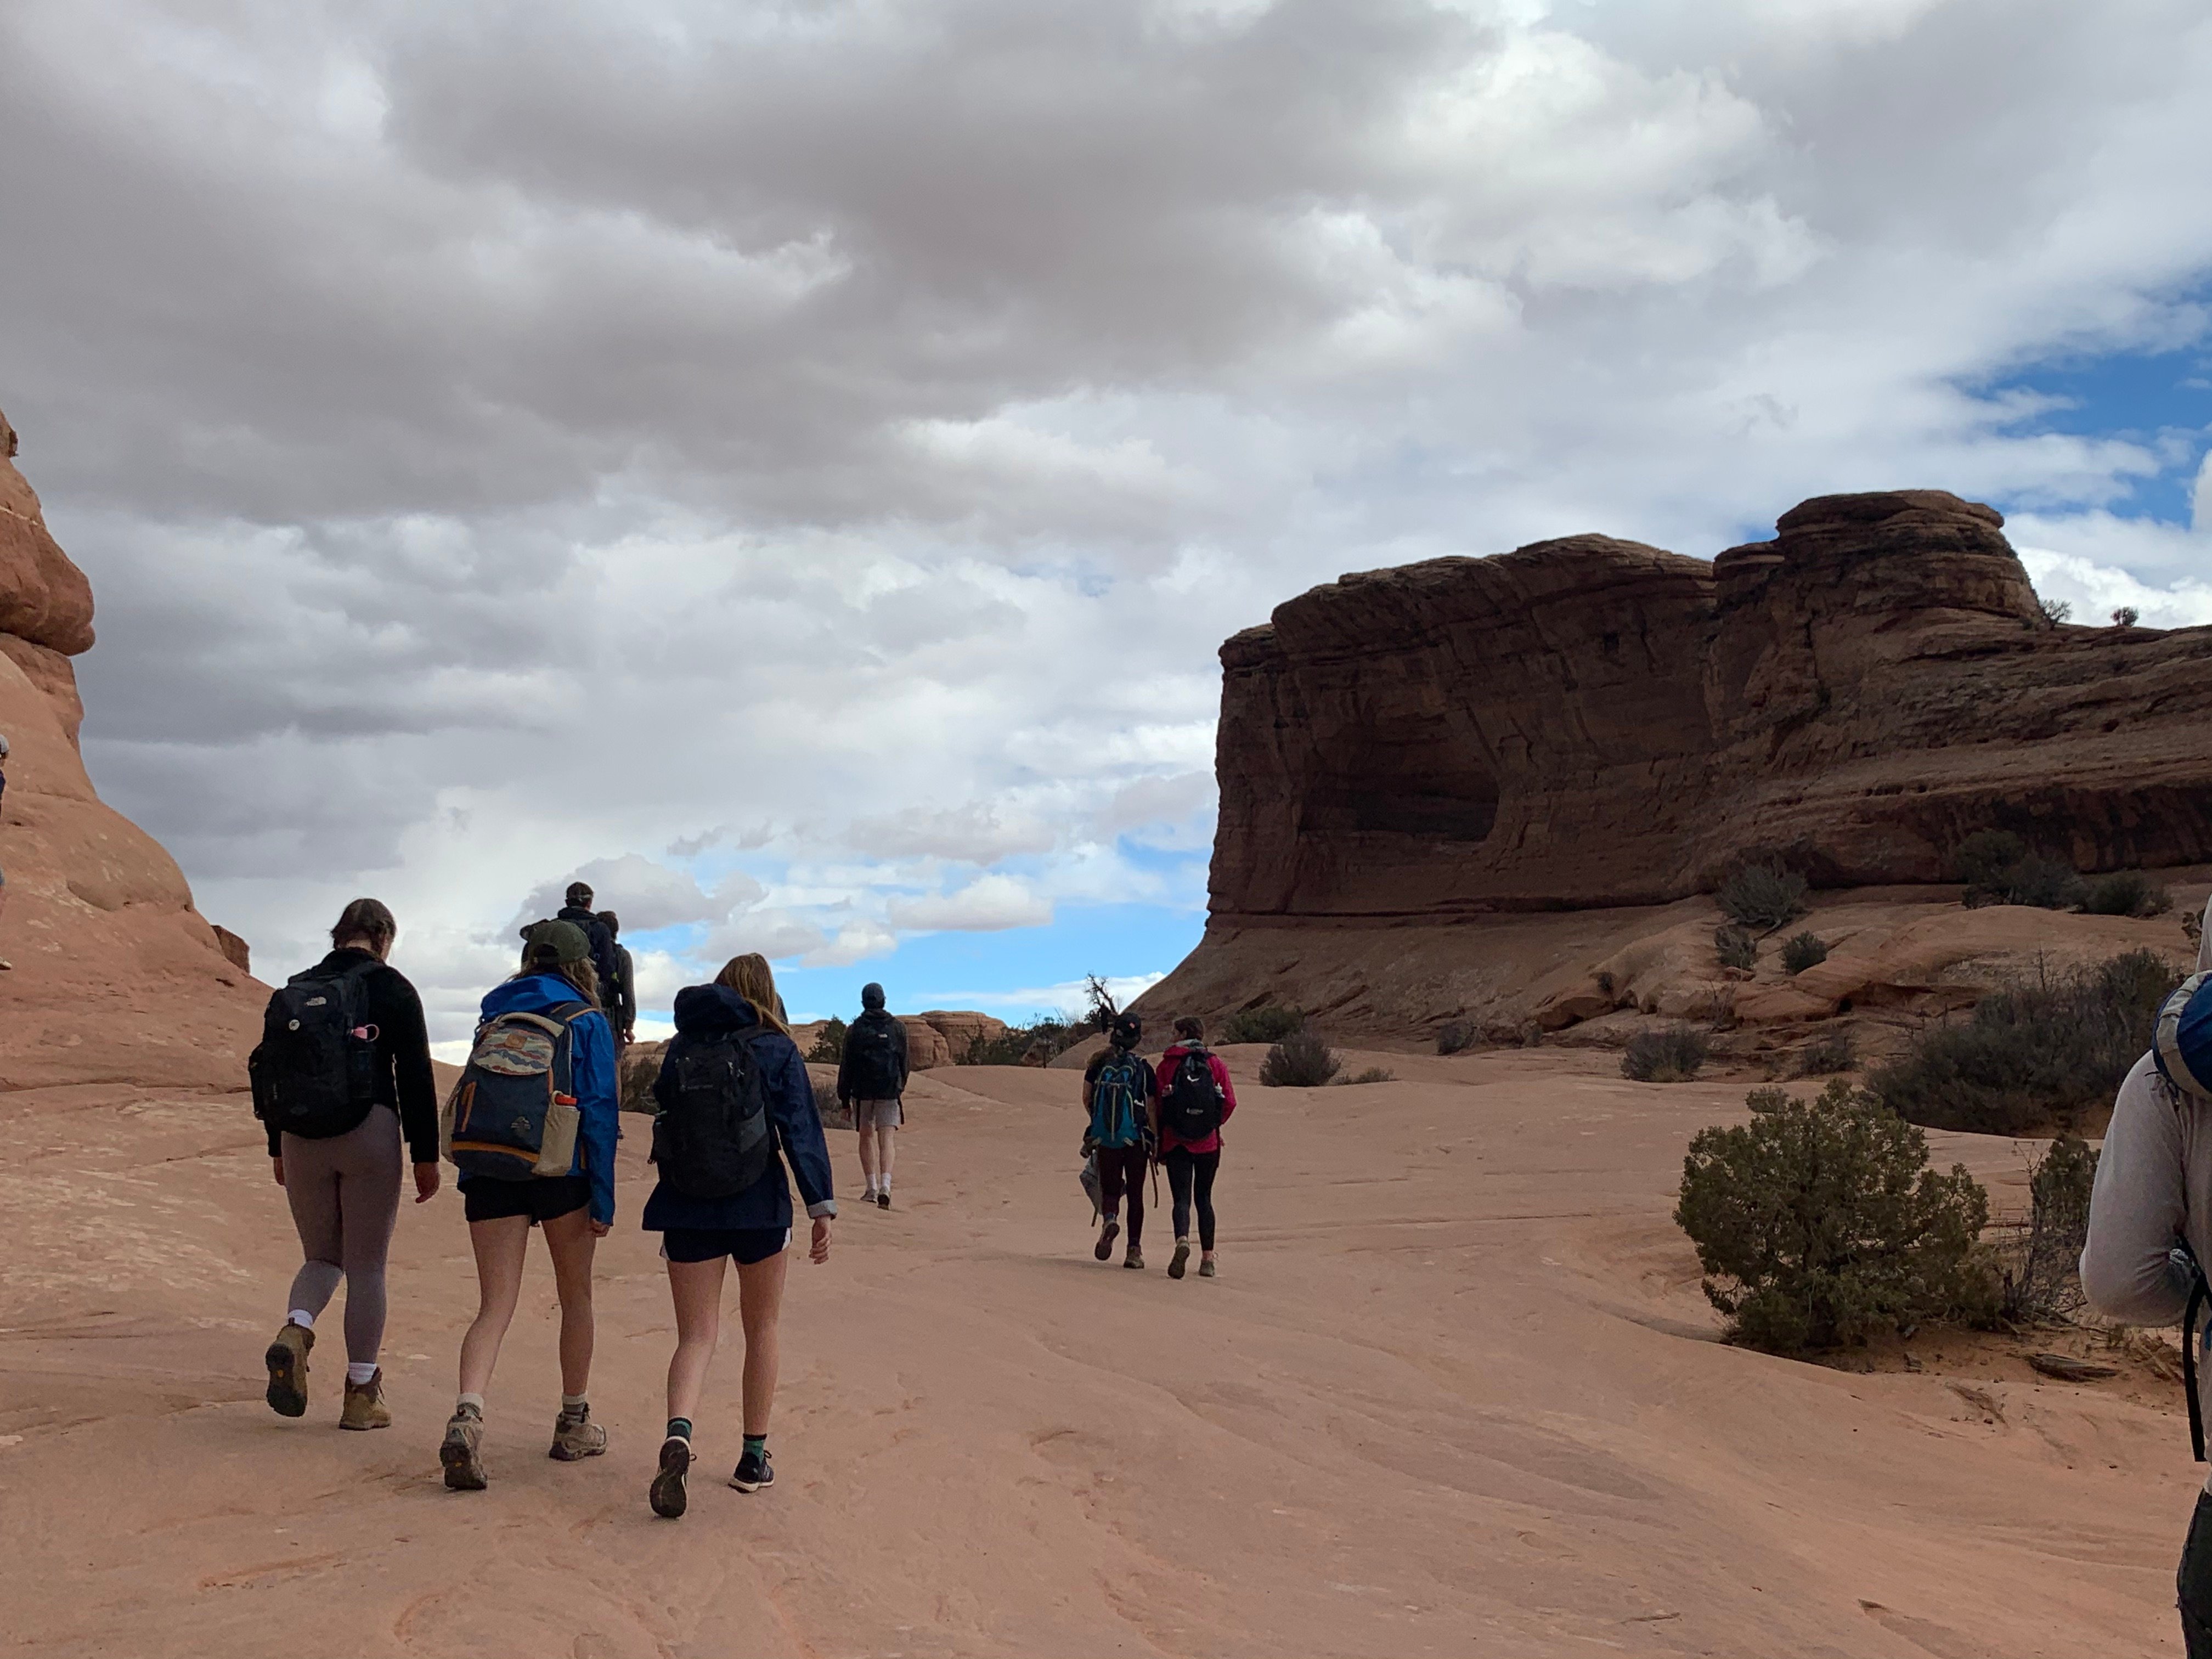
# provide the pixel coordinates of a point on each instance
(1457, 1392)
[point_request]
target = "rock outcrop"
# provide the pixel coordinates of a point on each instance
(117, 978)
(1591, 723)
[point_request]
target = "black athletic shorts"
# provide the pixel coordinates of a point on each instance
(746, 1244)
(540, 1198)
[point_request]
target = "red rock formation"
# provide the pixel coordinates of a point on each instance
(117, 978)
(1594, 723)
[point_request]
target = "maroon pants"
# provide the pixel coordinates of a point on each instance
(1120, 1167)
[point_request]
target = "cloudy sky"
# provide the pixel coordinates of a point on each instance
(794, 463)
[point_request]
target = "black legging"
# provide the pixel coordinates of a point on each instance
(1187, 1170)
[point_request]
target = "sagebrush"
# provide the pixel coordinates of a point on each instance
(1826, 1055)
(1372, 1075)
(2039, 1275)
(1998, 867)
(1673, 1055)
(1763, 897)
(1820, 1223)
(1803, 950)
(2126, 893)
(1300, 1060)
(2035, 1057)
(1735, 947)
(1266, 1024)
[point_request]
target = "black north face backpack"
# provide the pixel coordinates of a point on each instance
(713, 1137)
(315, 1071)
(1191, 1104)
(872, 1058)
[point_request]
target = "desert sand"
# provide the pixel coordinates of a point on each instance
(1457, 1392)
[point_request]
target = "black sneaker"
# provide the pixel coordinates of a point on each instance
(667, 1496)
(753, 1471)
(1104, 1249)
(883, 1200)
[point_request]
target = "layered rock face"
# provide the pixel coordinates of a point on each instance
(117, 978)
(1592, 722)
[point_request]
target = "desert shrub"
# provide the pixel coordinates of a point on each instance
(1267, 1024)
(1828, 1055)
(1735, 947)
(2126, 616)
(1999, 868)
(1300, 1060)
(1460, 1035)
(1819, 1222)
(1673, 1055)
(1803, 950)
(2039, 1272)
(2034, 1056)
(1763, 897)
(2054, 611)
(635, 1085)
(833, 1112)
(1372, 1075)
(1014, 1045)
(829, 1042)
(2126, 893)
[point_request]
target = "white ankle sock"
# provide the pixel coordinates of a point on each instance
(475, 1400)
(575, 1405)
(301, 1317)
(357, 1373)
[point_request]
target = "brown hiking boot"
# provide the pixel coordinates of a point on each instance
(364, 1405)
(462, 1453)
(287, 1360)
(576, 1438)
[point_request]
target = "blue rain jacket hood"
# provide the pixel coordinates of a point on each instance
(591, 1072)
(704, 1013)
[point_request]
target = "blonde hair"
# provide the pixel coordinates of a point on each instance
(752, 978)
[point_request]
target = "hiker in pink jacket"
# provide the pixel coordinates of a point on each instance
(1191, 1098)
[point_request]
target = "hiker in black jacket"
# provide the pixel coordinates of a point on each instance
(343, 1180)
(579, 910)
(871, 1080)
(622, 1012)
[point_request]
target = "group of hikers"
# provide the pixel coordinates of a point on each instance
(343, 1086)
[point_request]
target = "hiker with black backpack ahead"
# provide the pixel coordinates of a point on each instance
(871, 1081)
(1192, 1099)
(622, 1012)
(736, 1106)
(341, 1076)
(530, 1125)
(2150, 1225)
(606, 962)
(1118, 1086)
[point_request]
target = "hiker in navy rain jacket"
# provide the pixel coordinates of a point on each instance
(702, 1012)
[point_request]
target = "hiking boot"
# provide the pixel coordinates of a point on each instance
(576, 1438)
(287, 1360)
(1104, 1247)
(1134, 1259)
(364, 1405)
(667, 1496)
(1181, 1255)
(883, 1200)
(462, 1452)
(753, 1471)
(1206, 1268)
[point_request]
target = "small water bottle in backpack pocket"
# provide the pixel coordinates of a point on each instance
(513, 1113)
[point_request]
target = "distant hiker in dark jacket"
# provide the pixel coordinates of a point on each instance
(1191, 1098)
(622, 1012)
(736, 1107)
(575, 1209)
(579, 911)
(1118, 1087)
(334, 1144)
(871, 1080)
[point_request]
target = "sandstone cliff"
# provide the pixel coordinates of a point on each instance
(117, 978)
(1590, 723)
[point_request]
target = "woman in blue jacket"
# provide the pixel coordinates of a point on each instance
(575, 1210)
(752, 1226)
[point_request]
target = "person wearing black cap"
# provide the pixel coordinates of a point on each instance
(579, 913)
(871, 1081)
(1118, 1086)
(574, 1210)
(2150, 1225)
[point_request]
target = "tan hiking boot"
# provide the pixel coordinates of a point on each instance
(364, 1405)
(577, 1437)
(287, 1360)
(462, 1452)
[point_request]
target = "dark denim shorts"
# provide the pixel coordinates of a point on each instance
(541, 1198)
(745, 1245)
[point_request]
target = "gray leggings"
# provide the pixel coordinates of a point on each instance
(344, 1193)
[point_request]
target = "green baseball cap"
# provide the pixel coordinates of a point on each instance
(551, 943)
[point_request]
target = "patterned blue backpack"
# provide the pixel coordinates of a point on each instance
(512, 1115)
(1117, 1102)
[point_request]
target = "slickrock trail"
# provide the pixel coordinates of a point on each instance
(1456, 1394)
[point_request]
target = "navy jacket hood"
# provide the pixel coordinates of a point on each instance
(704, 1009)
